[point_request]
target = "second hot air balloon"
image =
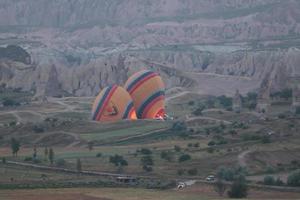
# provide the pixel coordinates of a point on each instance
(148, 93)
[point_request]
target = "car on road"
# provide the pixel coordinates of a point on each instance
(210, 178)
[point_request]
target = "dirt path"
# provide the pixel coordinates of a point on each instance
(208, 118)
(178, 95)
(242, 158)
(21, 119)
(142, 135)
(68, 108)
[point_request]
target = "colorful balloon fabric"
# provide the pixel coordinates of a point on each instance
(112, 104)
(148, 93)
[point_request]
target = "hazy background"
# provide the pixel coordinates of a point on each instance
(76, 47)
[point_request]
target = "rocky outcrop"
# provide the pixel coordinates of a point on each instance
(213, 47)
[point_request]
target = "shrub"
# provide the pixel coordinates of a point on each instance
(270, 170)
(239, 188)
(210, 150)
(28, 159)
(192, 171)
(279, 182)
(184, 157)
(10, 102)
(38, 129)
(180, 172)
(60, 162)
(269, 180)
(266, 139)
(211, 143)
(98, 155)
(198, 111)
(118, 160)
(226, 174)
(145, 151)
(191, 103)
(166, 155)
(147, 160)
(179, 126)
(281, 116)
(294, 179)
(177, 148)
(147, 168)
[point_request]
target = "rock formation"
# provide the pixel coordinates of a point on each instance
(237, 102)
(211, 47)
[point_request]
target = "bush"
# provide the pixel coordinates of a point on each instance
(269, 180)
(179, 126)
(226, 174)
(38, 129)
(294, 179)
(198, 111)
(270, 170)
(60, 162)
(190, 145)
(147, 160)
(98, 155)
(210, 150)
(281, 116)
(28, 159)
(147, 168)
(177, 148)
(239, 188)
(184, 157)
(211, 143)
(166, 155)
(180, 172)
(145, 151)
(192, 172)
(266, 139)
(118, 160)
(10, 102)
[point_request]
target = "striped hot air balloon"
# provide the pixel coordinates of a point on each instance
(113, 103)
(148, 93)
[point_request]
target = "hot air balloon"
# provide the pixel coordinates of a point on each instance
(148, 93)
(113, 103)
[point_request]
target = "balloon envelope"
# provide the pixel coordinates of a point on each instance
(148, 93)
(113, 103)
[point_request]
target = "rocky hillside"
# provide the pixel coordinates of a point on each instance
(77, 47)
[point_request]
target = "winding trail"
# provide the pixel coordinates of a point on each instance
(242, 158)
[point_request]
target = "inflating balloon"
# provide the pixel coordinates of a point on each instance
(113, 103)
(148, 93)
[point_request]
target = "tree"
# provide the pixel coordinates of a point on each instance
(15, 146)
(118, 161)
(239, 188)
(46, 153)
(147, 163)
(184, 157)
(220, 187)
(146, 151)
(90, 145)
(269, 180)
(294, 179)
(177, 148)
(51, 155)
(166, 155)
(78, 165)
(34, 155)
